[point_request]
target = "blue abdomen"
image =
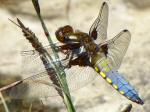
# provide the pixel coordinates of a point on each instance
(124, 87)
(116, 80)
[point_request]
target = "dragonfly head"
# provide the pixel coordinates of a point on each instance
(63, 32)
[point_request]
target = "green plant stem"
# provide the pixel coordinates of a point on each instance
(60, 72)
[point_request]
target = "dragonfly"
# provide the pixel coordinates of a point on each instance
(81, 58)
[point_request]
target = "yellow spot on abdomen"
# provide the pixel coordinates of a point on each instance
(115, 86)
(121, 92)
(109, 80)
(103, 74)
(97, 69)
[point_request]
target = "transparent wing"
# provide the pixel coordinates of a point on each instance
(117, 48)
(36, 86)
(40, 85)
(36, 54)
(32, 64)
(99, 28)
(79, 77)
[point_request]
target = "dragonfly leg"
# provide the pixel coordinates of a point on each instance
(68, 47)
(68, 53)
(81, 60)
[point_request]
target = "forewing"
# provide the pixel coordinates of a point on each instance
(39, 85)
(117, 47)
(31, 61)
(98, 29)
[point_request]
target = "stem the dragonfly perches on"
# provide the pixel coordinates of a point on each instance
(58, 67)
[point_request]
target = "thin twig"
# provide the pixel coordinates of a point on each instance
(4, 103)
(30, 108)
(10, 85)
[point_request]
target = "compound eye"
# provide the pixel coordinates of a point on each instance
(59, 35)
(63, 32)
(67, 29)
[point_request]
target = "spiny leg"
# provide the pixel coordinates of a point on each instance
(70, 49)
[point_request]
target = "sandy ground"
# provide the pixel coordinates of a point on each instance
(98, 96)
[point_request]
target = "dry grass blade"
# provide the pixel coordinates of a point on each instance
(32, 38)
(10, 85)
(4, 103)
(30, 108)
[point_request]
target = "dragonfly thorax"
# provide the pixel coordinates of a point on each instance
(96, 57)
(87, 41)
